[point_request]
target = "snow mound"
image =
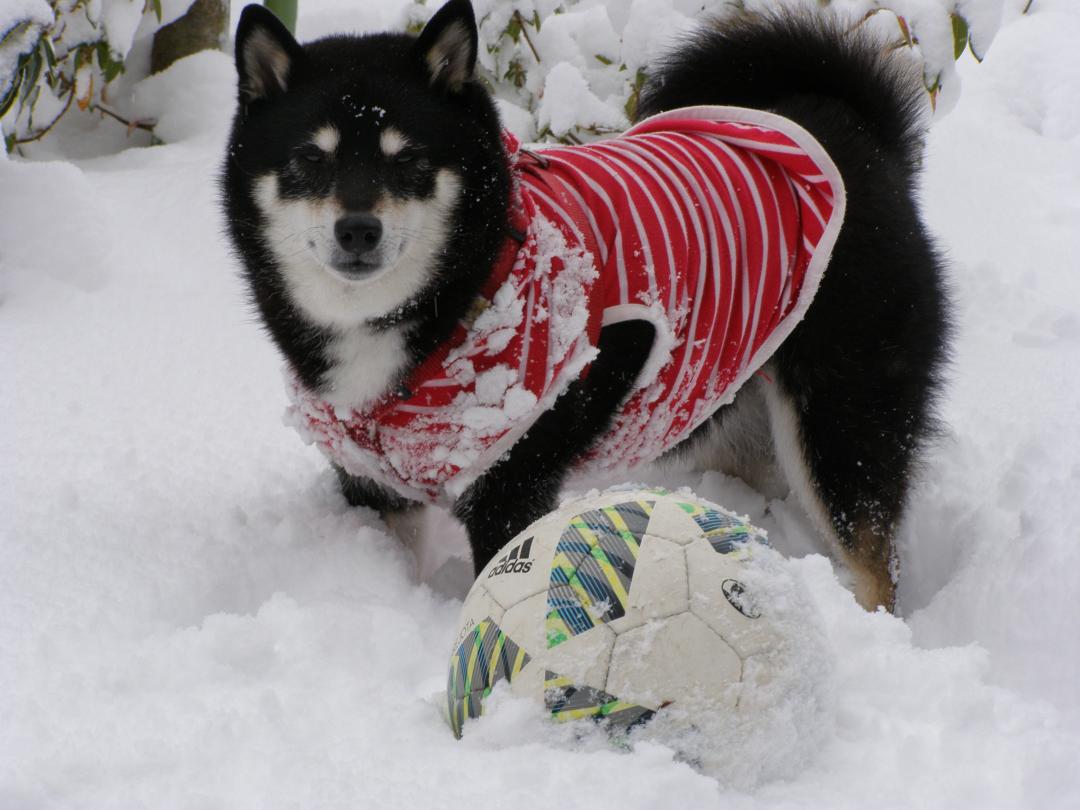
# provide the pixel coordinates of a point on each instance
(191, 99)
(787, 705)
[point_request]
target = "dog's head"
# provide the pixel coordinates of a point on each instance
(355, 158)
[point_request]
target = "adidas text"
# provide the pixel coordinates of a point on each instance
(516, 562)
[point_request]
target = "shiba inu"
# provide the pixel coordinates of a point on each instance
(744, 273)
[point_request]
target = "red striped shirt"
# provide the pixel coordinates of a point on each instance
(713, 223)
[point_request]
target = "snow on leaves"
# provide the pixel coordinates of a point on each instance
(576, 67)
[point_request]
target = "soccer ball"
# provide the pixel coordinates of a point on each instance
(634, 607)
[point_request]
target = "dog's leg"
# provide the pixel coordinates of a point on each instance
(524, 484)
(508, 498)
(404, 518)
(737, 441)
(850, 477)
(365, 492)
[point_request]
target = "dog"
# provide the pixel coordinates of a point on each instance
(465, 321)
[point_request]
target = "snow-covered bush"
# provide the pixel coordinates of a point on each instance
(571, 70)
(59, 54)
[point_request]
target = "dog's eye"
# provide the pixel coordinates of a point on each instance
(407, 156)
(310, 153)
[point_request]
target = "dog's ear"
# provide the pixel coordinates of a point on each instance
(266, 54)
(448, 45)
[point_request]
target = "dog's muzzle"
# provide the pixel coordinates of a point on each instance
(358, 237)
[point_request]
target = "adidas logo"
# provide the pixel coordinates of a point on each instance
(516, 562)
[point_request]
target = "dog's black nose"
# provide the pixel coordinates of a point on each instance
(358, 233)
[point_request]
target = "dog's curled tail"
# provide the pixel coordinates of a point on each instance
(801, 64)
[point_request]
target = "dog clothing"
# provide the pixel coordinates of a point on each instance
(715, 224)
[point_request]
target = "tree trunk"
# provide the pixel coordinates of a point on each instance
(203, 27)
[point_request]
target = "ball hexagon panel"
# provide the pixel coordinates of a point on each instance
(583, 658)
(524, 622)
(592, 568)
(575, 506)
(670, 660)
(720, 598)
(485, 656)
(567, 700)
(760, 682)
(726, 532)
(672, 521)
(659, 587)
(478, 606)
(521, 570)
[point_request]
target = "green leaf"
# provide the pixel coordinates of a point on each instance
(635, 93)
(9, 141)
(30, 74)
(513, 30)
(959, 34)
(110, 67)
(603, 60)
(32, 99)
(15, 30)
(10, 96)
(933, 87)
(515, 74)
(47, 48)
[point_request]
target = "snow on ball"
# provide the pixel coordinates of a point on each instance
(660, 615)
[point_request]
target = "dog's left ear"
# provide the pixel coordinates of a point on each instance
(448, 45)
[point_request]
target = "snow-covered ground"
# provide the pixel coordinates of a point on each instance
(191, 617)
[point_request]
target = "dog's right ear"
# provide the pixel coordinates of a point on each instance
(266, 54)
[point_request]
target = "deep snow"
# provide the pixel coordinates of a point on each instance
(190, 616)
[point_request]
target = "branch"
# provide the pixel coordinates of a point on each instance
(43, 132)
(525, 33)
(146, 126)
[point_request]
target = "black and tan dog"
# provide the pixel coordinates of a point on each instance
(371, 201)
